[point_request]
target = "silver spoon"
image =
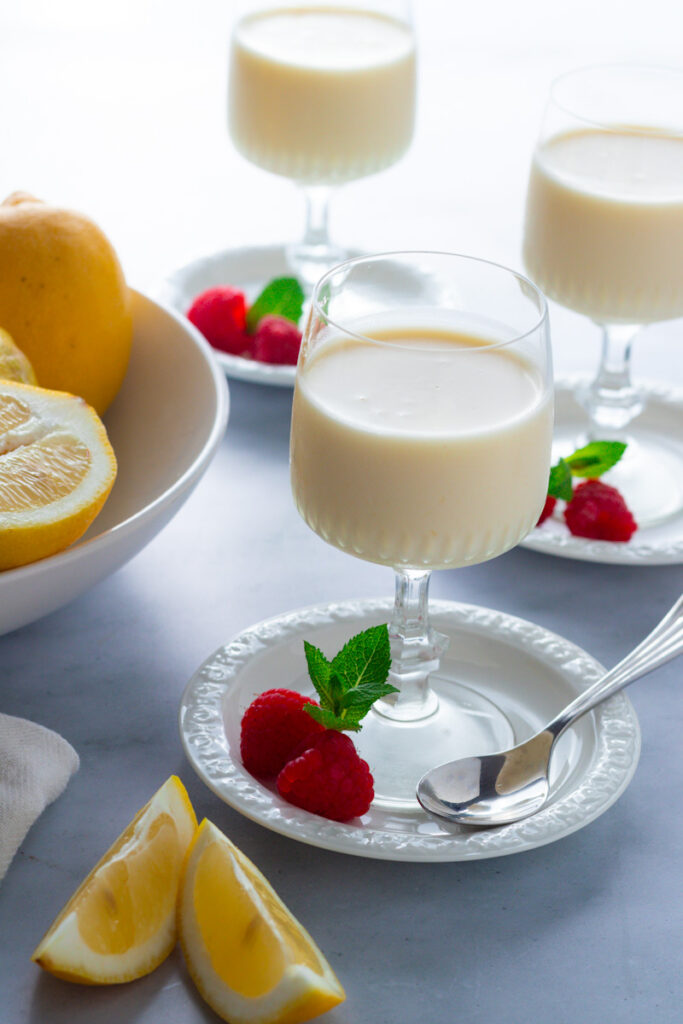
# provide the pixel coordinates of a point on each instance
(495, 789)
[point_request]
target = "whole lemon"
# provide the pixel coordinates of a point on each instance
(64, 299)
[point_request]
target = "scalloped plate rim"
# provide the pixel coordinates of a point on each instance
(234, 367)
(633, 553)
(346, 838)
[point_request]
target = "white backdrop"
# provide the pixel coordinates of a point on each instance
(119, 110)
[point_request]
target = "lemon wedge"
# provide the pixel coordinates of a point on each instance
(14, 365)
(121, 921)
(249, 957)
(57, 468)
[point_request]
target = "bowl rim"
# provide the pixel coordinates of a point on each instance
(80, 549)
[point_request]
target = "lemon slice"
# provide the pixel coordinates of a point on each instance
(14, 365)
(121, 922)
(57, 468)
(249, 957)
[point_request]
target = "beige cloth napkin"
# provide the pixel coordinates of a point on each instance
(35, 766)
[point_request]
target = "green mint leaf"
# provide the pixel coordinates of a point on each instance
(366, 693)
(560, 483)
(348, 721)
(356, 677)
(596, 458)
(357, 702)
(320, 670)
(366, 658)
(283, 296)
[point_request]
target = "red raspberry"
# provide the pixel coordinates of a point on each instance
(329, 778)
(276, 340)
(273, 727)
(598, 511)
(220, 314)
(548, 509)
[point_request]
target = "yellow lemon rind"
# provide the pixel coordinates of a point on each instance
(64, 299)
(301, 992)
(62, 951)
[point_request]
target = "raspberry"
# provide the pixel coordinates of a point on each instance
(220, 314)
(329, 778)
(548, 509)
(598, 511)
(273, 728)
(276, 340)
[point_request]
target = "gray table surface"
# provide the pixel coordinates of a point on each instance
(491, 940)
(118, 110)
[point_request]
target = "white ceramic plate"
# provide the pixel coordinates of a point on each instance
(655, 545)
(165, 425)
(249, 269)
(526, 671)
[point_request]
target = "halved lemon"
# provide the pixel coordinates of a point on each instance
(121, 921)
(57, 468)
(14, 365)
(249, 957)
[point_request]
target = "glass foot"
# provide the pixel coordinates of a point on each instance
(308, 263)
(651, 479)
(649, 475)
(399, 753)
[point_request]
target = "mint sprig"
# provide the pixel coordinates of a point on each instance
(283, 296)
(590, 461)
(560, 483)
(349, 685)
(596, 458)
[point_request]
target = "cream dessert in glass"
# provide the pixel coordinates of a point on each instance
(604, 237)
(421, 436)
(323, 94)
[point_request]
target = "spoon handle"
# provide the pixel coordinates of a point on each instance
(661, 645)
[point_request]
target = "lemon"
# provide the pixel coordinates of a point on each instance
(57, 468)
(13, 363)
(64, 299)
(120, 923)
(249, 957)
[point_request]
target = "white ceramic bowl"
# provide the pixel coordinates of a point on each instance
(165, 425)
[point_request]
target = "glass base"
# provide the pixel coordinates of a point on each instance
(308, 263)
(651, 480)
(399, 753)
(649, 475)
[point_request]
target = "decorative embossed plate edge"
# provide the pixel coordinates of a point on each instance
(661, 545)
(612, 764)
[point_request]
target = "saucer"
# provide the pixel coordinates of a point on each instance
(526, 671)
(249, 268)
(661, 544)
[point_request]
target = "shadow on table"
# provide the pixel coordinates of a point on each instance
(59, 1002)
(167, 994)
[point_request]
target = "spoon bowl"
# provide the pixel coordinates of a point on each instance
(499, 788)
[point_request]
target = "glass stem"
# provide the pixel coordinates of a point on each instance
(314, 254)
(610, 400)
(316, 231)
(415, 650)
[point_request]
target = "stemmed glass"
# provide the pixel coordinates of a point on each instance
(421, 435)
(604, 237)
(322, 93)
